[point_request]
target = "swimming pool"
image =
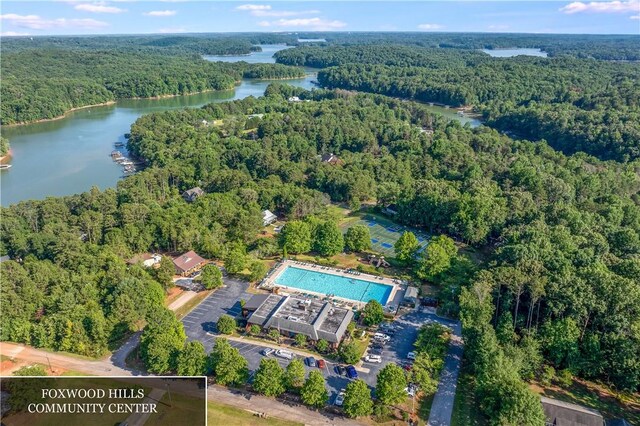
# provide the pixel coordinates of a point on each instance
(339, 286)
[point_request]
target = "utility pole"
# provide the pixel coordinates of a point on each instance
(49, 362)
(170, 400)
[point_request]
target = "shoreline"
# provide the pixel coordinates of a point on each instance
(7, 156)
(66, 113)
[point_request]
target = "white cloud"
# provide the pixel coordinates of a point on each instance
(160, 13)
(35, 22)
(253, 7)
(264, 24)
(317, 24)
(430, 27)
(635, 17)
(98, 8)
(629, 6)
(171, 30)
(283, 13)
(12, 34)
(498, 27)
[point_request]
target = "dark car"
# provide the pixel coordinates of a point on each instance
(377, 345)
(376, 351)
(310, 361)
(340, 369)
(429, 301)
(351, 372)
(321, 364)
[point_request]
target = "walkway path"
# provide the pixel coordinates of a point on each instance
(185, 297)
(442, 405)
(260, 404)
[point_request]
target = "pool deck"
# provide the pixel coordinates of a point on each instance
(397, 287)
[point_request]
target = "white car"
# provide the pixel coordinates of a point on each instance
(411, 355)
(284, 354)
(381, 337)
(340, 398)
(373, 358)
(267, 351)
(410, 390)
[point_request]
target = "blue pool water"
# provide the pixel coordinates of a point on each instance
(347, 288)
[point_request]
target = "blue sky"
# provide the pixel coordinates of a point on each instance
(179, 16)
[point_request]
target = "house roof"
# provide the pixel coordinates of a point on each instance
(187, 261)
(562, 413)
(255, 302)
(194, 191)
(139, 258)
(267, 214)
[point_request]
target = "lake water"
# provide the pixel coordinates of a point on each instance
(70, 155)
(508, 53)
(264, 57)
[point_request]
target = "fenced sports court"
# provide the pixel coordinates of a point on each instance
(385, 233)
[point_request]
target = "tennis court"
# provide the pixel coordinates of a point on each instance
(385, 233)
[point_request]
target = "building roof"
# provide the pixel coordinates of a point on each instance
(411, 292)
(315, 319)
(329, 158)
(268, 215)
(193, 191)
(187, 261)
(255, 302)
(562, 413)
(139, 258)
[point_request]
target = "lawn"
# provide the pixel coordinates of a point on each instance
(179, 410)
(221, 414)
(465, 407)
(187, 307)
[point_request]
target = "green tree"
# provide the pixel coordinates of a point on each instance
(391, 384)
(373, 313)
(560, 341)
(314, 392)
(424, 372)
(349, 352)
(357, 399)
(226, 324)
(295, 237)
(358, 238)
(235, 260)
(322, 346)
(257, 271)
(274, 334)
(269, 379)
(406, 247)
(226, 364)
(294, 374)
(192, 360)
(255, 330)
(436, 257)
(161, 341)
(211, 277)
(328, 239)
(301, 340)
(164, 272)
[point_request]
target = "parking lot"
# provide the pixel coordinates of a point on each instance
(199, 325)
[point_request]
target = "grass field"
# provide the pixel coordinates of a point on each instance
(220, 414)
(466, 411)
(384, 233)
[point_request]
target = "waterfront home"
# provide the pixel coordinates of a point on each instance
(190, 195)
(187, 263)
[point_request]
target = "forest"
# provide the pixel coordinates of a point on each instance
(558, 290)
(45, 83)
(574, 104)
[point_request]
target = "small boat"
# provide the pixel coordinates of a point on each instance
(118, 144)
(126, 163)
(116, 154)
(461, 113)
(5, 166)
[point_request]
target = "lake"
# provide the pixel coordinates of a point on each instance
(264, 57)
(70, 155)
(508, 53)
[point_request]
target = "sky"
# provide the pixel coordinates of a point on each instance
(56, 17)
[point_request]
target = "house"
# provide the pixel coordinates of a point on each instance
(560, 413)
(188, 263)
(293, 315)
(4, 258)
(147, 260)
(190, 195)
(410, 298)
(294, 99)
(330, 158)
(268, 218)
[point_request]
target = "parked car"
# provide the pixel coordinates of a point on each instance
(267, 351)
(195, 274)
(310, 361)
(381, 337)
(340, 369)
(377, 359)
(321, 364)
(377, 345)
(411, 355)
(410, 390)
(351, 372)
(376, 351)
(340, 398)
(407, 366)
(429, 301)
(284, 354)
